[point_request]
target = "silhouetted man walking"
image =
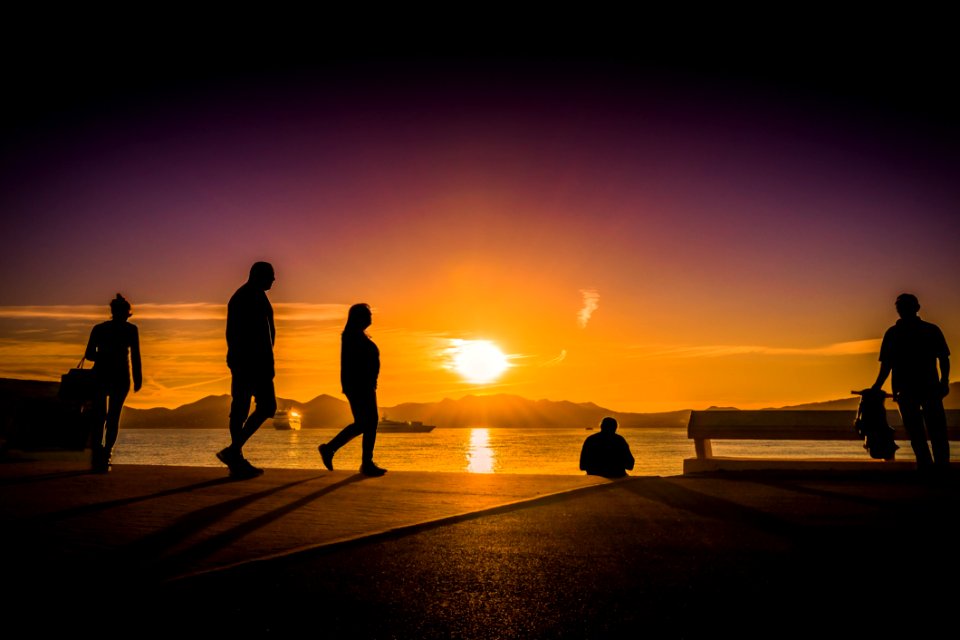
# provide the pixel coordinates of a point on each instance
(911, 349)
(250, 338)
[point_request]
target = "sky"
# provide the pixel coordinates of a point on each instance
(644, 228)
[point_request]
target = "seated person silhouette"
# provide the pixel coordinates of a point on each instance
(606, 453)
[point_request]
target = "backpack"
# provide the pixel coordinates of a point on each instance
(871, 424)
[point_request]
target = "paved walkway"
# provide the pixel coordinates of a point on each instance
(434, 555)
(177, 521)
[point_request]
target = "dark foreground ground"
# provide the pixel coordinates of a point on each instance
(678, 557)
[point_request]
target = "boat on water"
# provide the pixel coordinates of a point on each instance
(287, 420)
(398, 426)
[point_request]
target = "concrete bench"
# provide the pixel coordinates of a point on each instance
(706, 426)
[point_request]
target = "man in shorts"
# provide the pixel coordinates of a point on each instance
(250, 338)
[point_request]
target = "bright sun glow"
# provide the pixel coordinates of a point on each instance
(478, 361)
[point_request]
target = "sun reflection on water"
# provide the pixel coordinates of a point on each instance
(480, 456)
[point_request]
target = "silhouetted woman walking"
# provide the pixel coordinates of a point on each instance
(113, 347)
(359, 369)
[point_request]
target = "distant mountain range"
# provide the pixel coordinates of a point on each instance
(470, 411)
(952, 401)
(324, 411)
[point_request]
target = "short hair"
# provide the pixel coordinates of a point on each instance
(908, 301)
(261, 270)
(608, 423)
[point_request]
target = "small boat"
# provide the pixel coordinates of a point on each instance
(287, 420)
(397, 426)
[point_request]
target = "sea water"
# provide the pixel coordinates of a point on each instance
(658, 451)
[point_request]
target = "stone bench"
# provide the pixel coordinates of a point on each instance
(706, 426)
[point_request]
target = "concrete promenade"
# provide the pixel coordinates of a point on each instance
(450, 555)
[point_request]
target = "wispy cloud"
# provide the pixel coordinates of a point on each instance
(856, 347)
(302, 311)
(55, 312)
(556, 359)
(591, 300)
(183, 346)
(192, 311)
(145, 311)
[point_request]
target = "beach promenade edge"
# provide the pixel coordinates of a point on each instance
(187, 534)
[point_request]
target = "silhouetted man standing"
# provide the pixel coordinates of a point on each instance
(250, 338)
(911, 349)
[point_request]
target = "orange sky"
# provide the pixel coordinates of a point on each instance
(554, 356)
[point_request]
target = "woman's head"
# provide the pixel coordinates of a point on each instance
(359, 317)
(120, 308)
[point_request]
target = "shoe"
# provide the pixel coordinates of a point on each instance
(227, 457)
(326, 455)
(372, 470)
(243, 470)
(100, 462)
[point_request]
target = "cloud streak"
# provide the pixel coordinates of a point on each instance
(852, 348)
(591, 300)
(556, 359)
(193, 311)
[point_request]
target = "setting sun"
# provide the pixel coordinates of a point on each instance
(477, 361)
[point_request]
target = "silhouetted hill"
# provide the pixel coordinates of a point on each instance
(30, 398)
(208, 412)
(212, 412)
(846, 404)
(325, 411)
(504, 410)
(952, 401)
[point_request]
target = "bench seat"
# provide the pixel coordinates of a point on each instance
(706, 426)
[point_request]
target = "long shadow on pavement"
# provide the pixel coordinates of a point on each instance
(704, 505)
(87, 509)
(151, 548)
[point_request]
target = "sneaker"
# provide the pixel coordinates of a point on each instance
(243, 470)
(100, 462)
(227, 457)
(372, 470)
(326, 455)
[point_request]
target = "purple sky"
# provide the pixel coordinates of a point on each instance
(770, 199)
